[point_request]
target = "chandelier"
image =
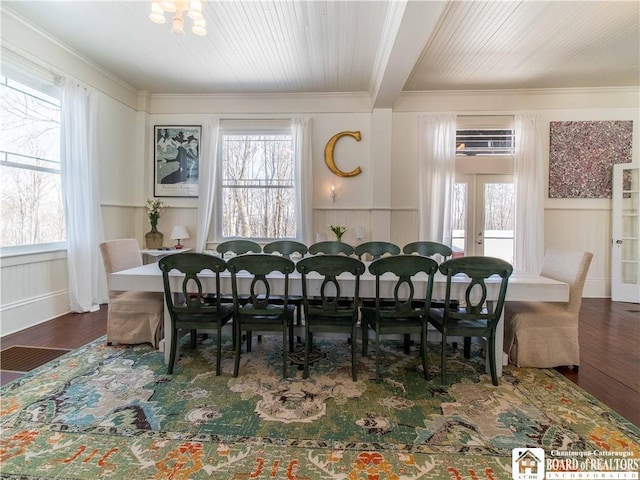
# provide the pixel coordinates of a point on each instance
(193, 9)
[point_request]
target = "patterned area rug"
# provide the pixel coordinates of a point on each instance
(112, 412)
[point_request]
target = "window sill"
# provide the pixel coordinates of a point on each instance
(24, 254)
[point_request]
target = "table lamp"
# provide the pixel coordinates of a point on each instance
(179, 232)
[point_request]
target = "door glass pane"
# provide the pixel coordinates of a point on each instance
(630, 218)
(459, 220)
(499, 220)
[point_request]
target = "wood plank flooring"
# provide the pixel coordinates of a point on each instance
(609, 349)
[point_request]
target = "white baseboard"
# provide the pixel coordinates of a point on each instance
(33, 311)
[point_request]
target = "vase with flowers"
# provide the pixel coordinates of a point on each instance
(338, 230)
(154, 238)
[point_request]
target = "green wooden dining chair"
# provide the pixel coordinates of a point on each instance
(261, 313)
(286, 248)
(428, 249)
(440, 253)
(478, 317)
(376, 249)
(331, 311)
(400, 314)
(238, 247)
(187, 306)
(331, 247)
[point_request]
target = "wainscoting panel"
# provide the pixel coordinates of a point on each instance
(34, 289)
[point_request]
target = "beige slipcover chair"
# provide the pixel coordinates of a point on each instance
(133, 317)
(545, 334)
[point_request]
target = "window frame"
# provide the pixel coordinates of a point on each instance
(46, 83)
(250, 127)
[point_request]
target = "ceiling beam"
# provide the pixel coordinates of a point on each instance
(407, 30)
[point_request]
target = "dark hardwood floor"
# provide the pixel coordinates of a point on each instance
(609, 349)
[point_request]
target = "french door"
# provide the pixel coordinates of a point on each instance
(484, 216)
(625, 227)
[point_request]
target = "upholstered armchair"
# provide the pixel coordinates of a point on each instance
(133, 317)
(545, 334)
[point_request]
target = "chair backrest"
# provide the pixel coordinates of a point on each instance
(428, 249)
(118, 255)
(478, 269)
(404, 267)
(239, 247)
(377, 249)
(331, 247)
(259, 266)
(286, 248)
(568, 266)
(192, 299)
(332, 298)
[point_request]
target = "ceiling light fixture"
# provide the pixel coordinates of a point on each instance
(193, 9)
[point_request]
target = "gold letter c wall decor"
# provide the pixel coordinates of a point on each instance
(328, 154)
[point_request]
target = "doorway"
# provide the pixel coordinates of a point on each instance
(484, 216)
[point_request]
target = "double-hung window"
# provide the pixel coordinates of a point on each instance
(32, 211)
(257, 195)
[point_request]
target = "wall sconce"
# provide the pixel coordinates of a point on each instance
(359, 232)
(179, 232)
(333, 194)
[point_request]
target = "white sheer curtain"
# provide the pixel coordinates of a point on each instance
(208, 180)
(81, 191)
(301, 130)
(529, 184)
(436, 176)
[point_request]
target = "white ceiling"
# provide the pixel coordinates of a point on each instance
(377, 47)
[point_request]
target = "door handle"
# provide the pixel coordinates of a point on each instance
(618, 242)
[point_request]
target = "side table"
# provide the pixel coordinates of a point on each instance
(150, 255)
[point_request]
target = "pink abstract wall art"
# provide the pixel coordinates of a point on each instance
(581, 156)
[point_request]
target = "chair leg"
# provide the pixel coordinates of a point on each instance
(354, 373)
(407, 344)
(290, 326)
(423, 351)
(238, 343)
(219, 350)
(284, 350)
(492, 360)
(443, 360)
(377, 355)
(172, 354)
(467, 347)
(250, 340)
(194, 338)
(307, 350)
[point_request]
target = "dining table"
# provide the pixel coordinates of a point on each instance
(522, 287)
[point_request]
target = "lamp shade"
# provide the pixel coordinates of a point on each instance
(179, 232)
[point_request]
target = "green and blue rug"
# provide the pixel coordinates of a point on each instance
(112, 412)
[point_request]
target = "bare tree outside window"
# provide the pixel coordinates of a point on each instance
(30, 191)
(258, 195)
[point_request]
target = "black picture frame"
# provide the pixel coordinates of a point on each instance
(176, 160)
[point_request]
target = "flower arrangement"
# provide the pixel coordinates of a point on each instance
(338, 230)
(154, 210)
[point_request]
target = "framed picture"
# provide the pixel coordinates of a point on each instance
(177, 160)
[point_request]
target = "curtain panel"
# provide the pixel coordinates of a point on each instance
(436, 176)
(301, 130)
(529, 186)
(81, 192)
(208, 181)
